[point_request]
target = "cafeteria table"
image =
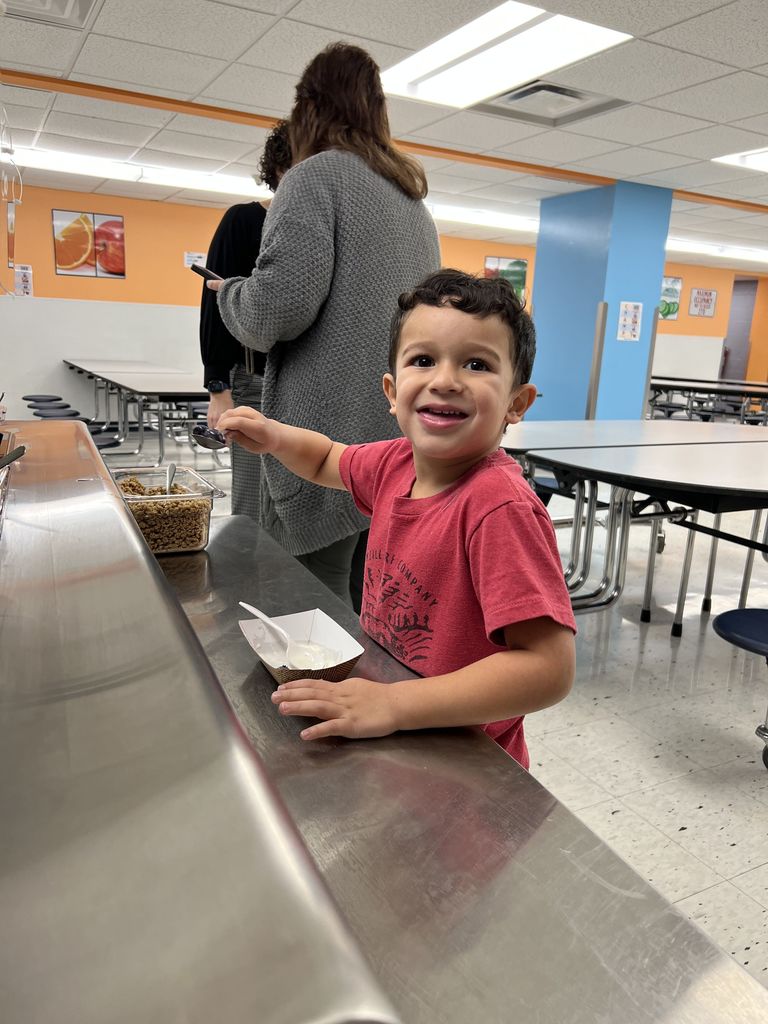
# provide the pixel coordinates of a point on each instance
(522, 437)
(153, 801)
(745, 392)
(711, 477)
(153, 388)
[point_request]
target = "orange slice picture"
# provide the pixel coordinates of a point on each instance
(74, 244)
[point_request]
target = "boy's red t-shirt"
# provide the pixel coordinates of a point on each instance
(444, 575)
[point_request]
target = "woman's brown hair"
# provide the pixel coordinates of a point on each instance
(340, 105)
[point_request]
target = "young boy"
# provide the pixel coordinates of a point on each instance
(463, 582)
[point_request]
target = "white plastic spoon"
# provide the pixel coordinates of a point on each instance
(298, 654)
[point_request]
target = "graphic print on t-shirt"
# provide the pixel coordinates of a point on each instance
(396, 607)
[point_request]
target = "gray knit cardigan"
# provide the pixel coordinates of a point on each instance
(340, 243)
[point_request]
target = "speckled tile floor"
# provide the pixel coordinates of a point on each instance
(655, 750)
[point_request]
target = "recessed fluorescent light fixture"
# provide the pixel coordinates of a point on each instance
(509, 46)
(730, 252)
(95, 167)
(751, 160)
(230, 184)
(482, 218)
(72, 163)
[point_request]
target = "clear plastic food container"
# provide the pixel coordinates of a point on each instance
(171, 523)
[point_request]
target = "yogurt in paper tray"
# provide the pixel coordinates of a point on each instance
(313, 627)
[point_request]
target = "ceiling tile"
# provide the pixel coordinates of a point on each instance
(265, 90)
(25, 97)
(242, 168)
(558, 147)
(135, 190)
(433, 163)
(85, 147)
(734, 34)
(146, 90)
(753, 124)
(23, 138)
(725, 100)
(476, 131)
(110, 111)
(554, 186)
(157, 158)
(751, 188)
(409, 115)
(692, 176)
(70, 182)
(264, 6)
(635, 125)
(719, 140)
(510, 193)
(448, 183)
(218, 129)
(290, 45)
(40, 46)
(638, 71)
(706, 211)
(482, 174)
(629, 15)
(24, 117)
(142, 65)
(393, 21)
(79, 127)
(222, 150)
(630, 162)
(192, 26)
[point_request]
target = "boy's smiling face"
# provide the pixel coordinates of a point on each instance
(454, 388)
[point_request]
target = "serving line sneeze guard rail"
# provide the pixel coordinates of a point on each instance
(148, 869)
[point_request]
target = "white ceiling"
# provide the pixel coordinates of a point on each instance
(695, 77)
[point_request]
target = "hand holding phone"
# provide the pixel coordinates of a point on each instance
(205, 272)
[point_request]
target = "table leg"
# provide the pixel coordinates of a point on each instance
(706, 604)
(645, 614)
(677, 625)
(750, 560)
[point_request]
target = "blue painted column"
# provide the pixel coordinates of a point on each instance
(600, 245)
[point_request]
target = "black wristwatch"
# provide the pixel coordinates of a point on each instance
(215, 387)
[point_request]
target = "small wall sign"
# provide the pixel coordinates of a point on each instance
(630, 321)
(702, 302)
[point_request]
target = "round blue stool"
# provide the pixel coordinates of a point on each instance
(747, 628)
(56, 414)
(41, 398)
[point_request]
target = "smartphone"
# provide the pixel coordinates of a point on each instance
(205, 272)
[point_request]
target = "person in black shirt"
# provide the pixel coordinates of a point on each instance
(232, 374)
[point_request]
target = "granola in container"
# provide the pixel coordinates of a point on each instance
(171, 523)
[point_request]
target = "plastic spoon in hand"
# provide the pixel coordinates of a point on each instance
(208, 437)
(299, 654)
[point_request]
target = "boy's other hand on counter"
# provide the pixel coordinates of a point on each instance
(356, 708)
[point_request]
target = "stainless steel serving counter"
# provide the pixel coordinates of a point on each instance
(475, 895)
(149, 873)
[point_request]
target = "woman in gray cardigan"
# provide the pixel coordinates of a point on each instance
(346, 234)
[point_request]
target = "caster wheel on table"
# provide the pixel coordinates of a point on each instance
(765, 756)
(661, 543)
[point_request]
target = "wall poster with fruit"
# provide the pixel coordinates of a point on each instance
(88, 244)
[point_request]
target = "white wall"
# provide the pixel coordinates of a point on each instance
(36, 334)
(685, 355)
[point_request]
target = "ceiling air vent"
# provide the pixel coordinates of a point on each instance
(547, 104)
(66, 13)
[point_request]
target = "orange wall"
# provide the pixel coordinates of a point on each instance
(700, 277)
(156, 237)
(757, 367)
(468, 254)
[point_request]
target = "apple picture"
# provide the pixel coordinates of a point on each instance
(109, 244)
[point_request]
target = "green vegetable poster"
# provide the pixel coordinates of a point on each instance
(669, 304)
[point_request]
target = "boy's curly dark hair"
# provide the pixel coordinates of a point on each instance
(478, 296)
(276, 158)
